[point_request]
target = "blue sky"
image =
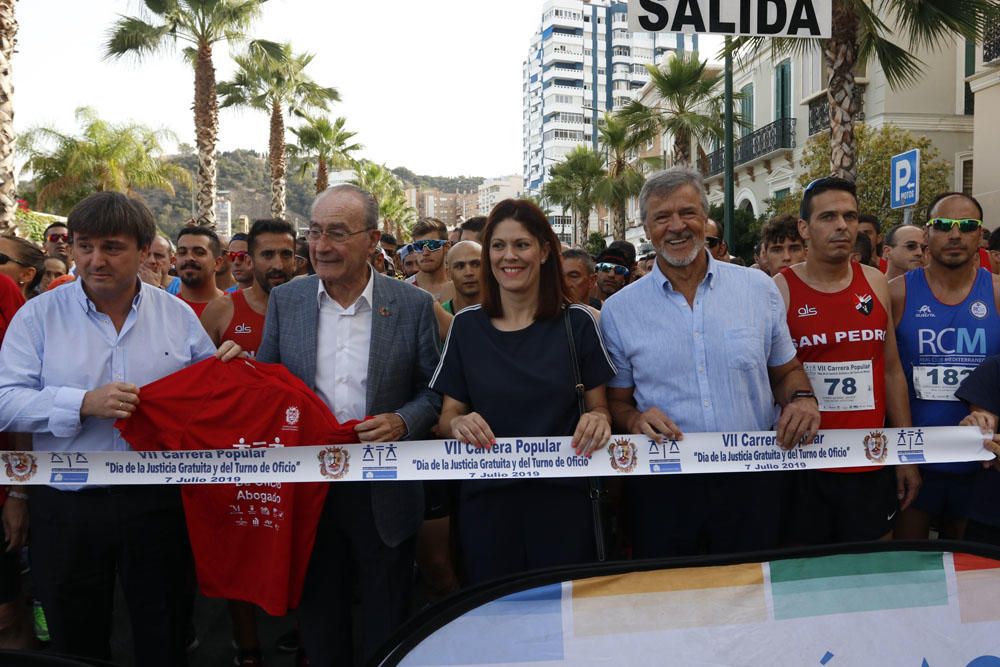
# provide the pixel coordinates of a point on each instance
(434, 86)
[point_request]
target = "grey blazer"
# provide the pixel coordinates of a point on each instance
(405, 349)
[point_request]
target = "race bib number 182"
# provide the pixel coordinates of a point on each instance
(842, 386)
(938, 383)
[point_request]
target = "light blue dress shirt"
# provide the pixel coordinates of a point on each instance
(705, 365)
(58, 347)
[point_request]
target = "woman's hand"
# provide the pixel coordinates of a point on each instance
(472, 429)
(592, 432)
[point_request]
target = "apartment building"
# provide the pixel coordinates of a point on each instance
(582, 62)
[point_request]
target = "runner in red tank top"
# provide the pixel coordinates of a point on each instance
(239, 317)
(839, 316)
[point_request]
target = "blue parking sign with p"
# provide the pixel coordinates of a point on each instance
(904, 179)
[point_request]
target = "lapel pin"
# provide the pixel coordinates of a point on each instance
(384, 312)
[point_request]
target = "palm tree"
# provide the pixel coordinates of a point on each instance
(201, 24)
(8, 186)
(861, 32)
(122, 158)
(324, 143)
(572, 183)
(395, 212)
(270, 82)
(625, 172)
(690, 107)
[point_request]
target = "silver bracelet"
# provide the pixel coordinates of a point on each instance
(20, 495)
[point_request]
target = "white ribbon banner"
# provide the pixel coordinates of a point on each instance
(509, 458)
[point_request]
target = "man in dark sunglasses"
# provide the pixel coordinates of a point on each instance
(715, 240)
(905, 250)
(56, 241)
(430, 246)
(612, 273)
(947, 319)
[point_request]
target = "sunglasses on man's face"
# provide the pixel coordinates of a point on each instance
(58, 238)
(619, 270)
(711, 241)
(433, 245)
(965, 225)
(7, 258)
(238, 255)
(910, 246)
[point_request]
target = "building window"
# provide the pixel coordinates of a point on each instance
(967, 177)
(783, 90)
(746, 109)
(781, 194)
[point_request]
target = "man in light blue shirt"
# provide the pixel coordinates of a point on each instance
(73, 360)
(701, 346)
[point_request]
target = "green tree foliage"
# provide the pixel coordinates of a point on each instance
(875, 148)
(596, 244)
(320, 145)
(626, 172)
(395, 213)
(104, 156)
(572, 186)
(690, 106)
(746, 231)
(452, 184)
(273, 80)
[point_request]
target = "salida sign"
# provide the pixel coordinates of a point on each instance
(768, 18)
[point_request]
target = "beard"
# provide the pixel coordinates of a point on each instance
(686, 260)
(264, 280)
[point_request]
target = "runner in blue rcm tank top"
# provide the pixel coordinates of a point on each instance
(947, 319)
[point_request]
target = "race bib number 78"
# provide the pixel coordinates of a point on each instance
(842, 386)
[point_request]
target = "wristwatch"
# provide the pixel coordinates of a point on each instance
(803, 393)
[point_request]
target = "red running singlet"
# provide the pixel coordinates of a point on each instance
(247, 325)
(840, 340)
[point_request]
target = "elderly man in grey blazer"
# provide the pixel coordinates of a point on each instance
(367, 345)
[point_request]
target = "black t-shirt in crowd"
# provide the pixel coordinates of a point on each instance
(982, 388)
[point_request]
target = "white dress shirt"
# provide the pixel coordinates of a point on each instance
(343, 340)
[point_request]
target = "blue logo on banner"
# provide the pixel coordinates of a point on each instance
(68, 476)
(665, 465)
(910, 446)
(379, 473)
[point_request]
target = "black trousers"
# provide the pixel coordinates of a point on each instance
(527, 525)
(349, 550)
(80, 540)
(711, 513)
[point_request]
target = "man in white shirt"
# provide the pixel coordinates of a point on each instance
(367, 345)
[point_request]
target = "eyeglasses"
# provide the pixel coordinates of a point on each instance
(912, 245)
(334, 235)
(58, 238)
(605, 267)
(7, 258)
(433, 245)
(711, 241)
(965, 225)
(238, 255)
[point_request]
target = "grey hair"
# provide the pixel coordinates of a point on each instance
(367, 199)
(583, 256)
(666, 181)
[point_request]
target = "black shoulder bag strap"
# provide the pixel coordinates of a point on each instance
(597, 492)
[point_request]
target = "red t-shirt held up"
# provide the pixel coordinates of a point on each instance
(251, 542)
